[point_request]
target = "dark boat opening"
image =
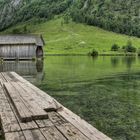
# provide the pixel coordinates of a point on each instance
(39, 52)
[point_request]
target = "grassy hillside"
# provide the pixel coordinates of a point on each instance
(74, 38)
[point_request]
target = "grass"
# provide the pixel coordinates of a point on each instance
(75, 38)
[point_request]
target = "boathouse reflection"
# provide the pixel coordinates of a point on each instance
(31, 70)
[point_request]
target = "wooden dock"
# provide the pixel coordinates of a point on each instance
(28, 113)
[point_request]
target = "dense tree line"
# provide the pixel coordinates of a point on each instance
(121, 16)
(27, 9)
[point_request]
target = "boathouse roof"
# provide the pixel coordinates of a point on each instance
(21, 40)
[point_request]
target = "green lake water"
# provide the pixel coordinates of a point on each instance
(105, 91)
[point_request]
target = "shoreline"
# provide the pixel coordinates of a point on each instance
(132, 54)
(45, 55)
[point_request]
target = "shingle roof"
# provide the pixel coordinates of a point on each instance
(21, 39)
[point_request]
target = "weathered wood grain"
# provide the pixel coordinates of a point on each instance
(12, 123)
(33, 135)
(48, 103)
(51, 133)
(44, 123)
(14, 136)
(8, 119)
(31, 102)
(24, 125)
(56, 118)
(66, 128)
(71, 132)
(91, 132)
(19, 104)
(40, 101)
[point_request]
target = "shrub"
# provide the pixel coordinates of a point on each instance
(129, 47)
(16, 31)
(123, 47)
(94, 53)
(115, 47)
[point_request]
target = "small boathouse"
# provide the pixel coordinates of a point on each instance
(21, 47)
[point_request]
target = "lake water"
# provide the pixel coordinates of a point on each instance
(104, 90)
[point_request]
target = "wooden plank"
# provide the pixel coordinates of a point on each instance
(48, 102)
(14, 123)
(2, 78)
(87, 129)
(31, 102)
(71, 132)
(8, 119)
(44, 123)
(16, 77)
(51, 133)
(14, 136)
(23, 126)
(18, 103)
(56, 118)
(33, 135)
(67, 129)
(45, 105)
(6, 77)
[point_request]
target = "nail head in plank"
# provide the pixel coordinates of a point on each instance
(51, 133)
(70, 132)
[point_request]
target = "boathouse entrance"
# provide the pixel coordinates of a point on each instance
(39, 52)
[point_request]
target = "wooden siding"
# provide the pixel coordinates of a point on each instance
(18, 51)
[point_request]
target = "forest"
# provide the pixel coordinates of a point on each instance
(121, 16)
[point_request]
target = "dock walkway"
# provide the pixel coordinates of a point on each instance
(28, 113)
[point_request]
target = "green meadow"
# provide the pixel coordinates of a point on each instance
(75, 38)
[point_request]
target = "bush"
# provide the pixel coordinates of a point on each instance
(94, 53)
(130, 48)
(115, 47)
(16, 31)
(21, 30)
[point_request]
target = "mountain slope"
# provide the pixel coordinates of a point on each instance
(8, 12)
(121, 16)
(74, 38)
(15, 11)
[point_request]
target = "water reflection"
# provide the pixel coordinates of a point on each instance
(114, 61)
(128, 61)
(30, 70)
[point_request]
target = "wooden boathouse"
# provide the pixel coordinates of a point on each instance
(21, 47)
(28, 113)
